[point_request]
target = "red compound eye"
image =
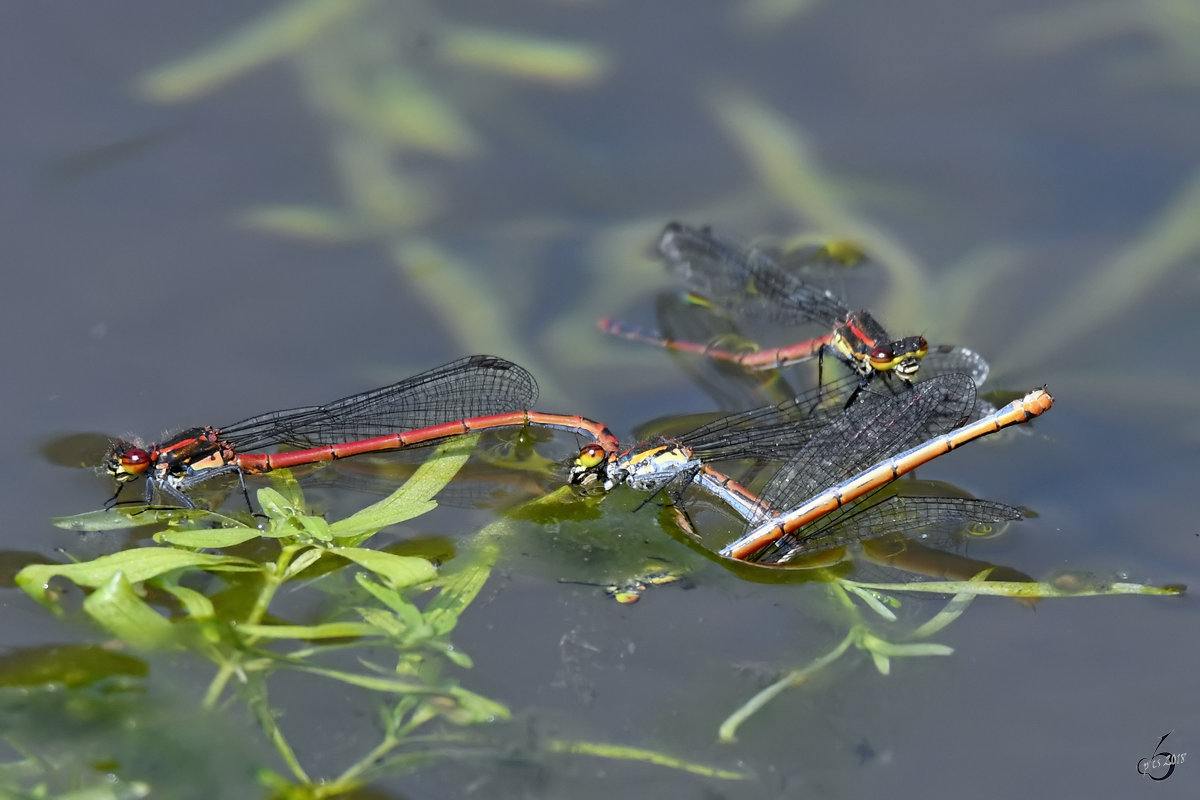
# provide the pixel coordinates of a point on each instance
(134, 461)
(881, 355)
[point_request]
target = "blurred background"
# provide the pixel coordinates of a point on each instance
(213, 210)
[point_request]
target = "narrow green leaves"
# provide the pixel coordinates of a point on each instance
(134, 565)
(398, 571)
(412, 499)
(117, 608)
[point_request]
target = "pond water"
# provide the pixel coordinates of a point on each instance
(188, 250)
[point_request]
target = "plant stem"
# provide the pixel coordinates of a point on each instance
(272, 580)
(728, 730)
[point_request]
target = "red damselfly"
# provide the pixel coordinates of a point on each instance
(751, 284)
(471, 394)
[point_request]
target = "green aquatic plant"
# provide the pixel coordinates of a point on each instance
(784, 163)
(380, 76)
(218, 593)
(215, 592)
(1169, 243)
(883, 649)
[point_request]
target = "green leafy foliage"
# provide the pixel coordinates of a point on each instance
(178, 595)
(146, 597)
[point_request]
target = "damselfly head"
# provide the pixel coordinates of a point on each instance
(126, 461)
(590, 469)
(591, 456)
(902, 356)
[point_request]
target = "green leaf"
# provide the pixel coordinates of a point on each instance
(916, 649)
(277, 33)
(316, 527)
(389, 597)
(387, 203)
(408, 614)
(275, 505)
(73, 665)
(415, 497)
(196, 604)
(288, 516)
(284, 482)
(381, 683)
(1139, 588)
(623, 753)
(124, 517)
(303, 561)
(882, 648)
(119, 610)
(873, 600)
(457, 656)
(383, 621)
(207, 538)
(1030, 590)
(136, 565)
(457, 593)
(328, 630)
(307, 223)
(1168, 244)
(564, 63)
(398, 571)
(108, 789)
(952, 610)
(404, 109)
(472, 709)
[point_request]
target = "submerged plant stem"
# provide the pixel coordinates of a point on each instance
(271, 582)
(266, 719)
(728, 730)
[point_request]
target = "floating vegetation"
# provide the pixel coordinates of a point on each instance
(524, 56)
(398, 603)
(1170, 242)
(861, 635)
(279, 33)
